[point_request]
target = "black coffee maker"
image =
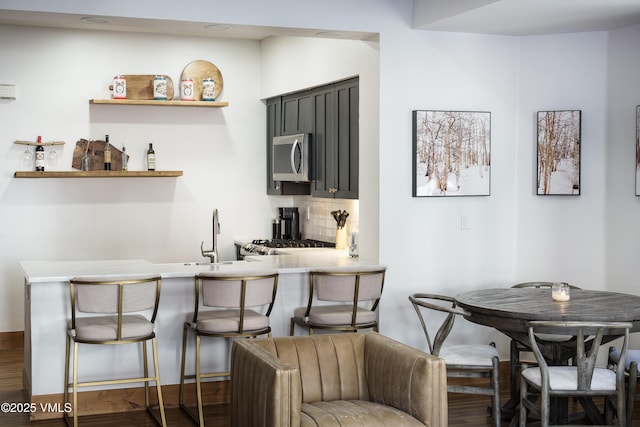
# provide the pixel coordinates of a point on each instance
(289, 223)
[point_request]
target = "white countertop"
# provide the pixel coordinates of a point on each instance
(294, 261)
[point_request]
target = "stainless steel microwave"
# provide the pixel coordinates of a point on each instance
(290, 158)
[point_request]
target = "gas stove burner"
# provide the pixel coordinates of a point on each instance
(270, 247)
(293, 243)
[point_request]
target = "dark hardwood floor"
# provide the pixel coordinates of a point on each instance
(464, 410)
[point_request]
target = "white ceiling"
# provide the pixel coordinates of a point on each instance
(189, 28)
(525, 17)
(504, 17)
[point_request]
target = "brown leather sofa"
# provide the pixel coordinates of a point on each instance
(362, 379)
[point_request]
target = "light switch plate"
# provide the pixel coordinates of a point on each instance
(7, 91)
(465, 222)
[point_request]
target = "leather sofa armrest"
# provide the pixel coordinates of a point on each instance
(407, 379)
(264, 390)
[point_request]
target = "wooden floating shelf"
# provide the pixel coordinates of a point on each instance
(98, 174)
(210, 104)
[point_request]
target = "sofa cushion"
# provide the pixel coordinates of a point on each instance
(343, 413)
(331, 366)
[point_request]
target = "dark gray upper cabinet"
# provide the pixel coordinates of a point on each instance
(336, 141)
(330, 114)
(275, 126)
(273, 129)
(297, 113)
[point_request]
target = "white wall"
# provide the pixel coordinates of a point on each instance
(421, 238)
(56, 73)
(622, 206)
(562, 238)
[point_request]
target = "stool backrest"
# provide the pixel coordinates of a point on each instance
(543, 285)
(115, 296)
(236, 290)
(589, 337)
(348, 285)
(437, 328)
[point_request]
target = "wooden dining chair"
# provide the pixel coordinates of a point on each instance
(630, 370)
(583, 380)
(462, 360)
(517, 348)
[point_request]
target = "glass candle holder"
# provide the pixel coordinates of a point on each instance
(560, 292)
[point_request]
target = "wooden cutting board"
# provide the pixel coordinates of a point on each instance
(96, 153)
(140, 86)
(200, 70)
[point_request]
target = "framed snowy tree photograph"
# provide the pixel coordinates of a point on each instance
(637, 150)
(451, 153)
(558, 152)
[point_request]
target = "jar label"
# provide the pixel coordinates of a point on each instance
(208, 90)
(119, 88)
(160, 89)
(186, 90)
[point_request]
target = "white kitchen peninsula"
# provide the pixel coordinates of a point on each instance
(46, 292)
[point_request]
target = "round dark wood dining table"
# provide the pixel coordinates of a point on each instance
(509, 309)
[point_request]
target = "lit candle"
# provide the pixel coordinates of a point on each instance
(560, 292)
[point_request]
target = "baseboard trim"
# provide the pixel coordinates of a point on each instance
(108, 401)
(11, 340)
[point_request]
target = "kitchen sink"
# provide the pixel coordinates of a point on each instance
(209, 263)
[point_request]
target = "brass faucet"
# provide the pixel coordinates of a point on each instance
(213, 253)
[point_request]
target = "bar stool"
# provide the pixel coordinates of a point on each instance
(110, 312)
(222, 310)
(341, 299)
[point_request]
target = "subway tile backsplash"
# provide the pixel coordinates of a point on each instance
(316, 221)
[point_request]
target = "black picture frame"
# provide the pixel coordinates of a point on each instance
(637, 150)
(451, 153)
(559, 140)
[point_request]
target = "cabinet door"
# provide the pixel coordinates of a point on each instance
(324, 153)
(276, 123)
(273, 129)
(297, 113)
(336, 140)
(347, 140)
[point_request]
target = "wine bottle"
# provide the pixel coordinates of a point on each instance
(107, 153)
(151, 158)
(39, 155)
(125, 160)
